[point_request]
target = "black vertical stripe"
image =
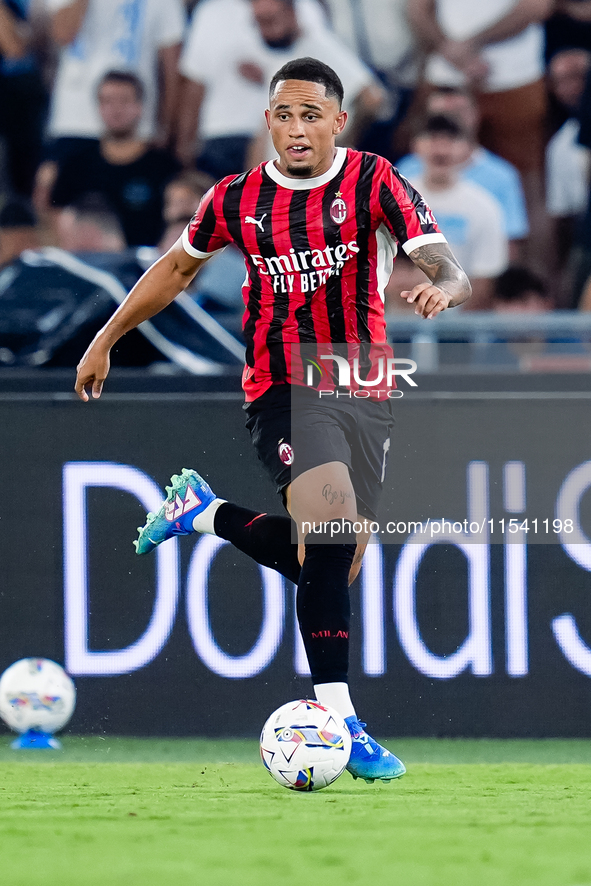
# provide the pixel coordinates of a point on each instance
(414, 196)
(298, 229)
(268, 249)
(231, 210)
(362, 212)
(334, 284)
(428, 225)
(393, 213)
(411, 192)
(202, 236)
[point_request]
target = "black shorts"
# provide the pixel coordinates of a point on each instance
(293, 431)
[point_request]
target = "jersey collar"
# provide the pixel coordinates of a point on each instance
(306, 184)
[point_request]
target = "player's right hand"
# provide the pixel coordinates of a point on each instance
(91, 372)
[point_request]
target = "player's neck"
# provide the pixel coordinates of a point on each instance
(120, 151)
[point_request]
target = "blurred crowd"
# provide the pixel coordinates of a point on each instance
(117, 115)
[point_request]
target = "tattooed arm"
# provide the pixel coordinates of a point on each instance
(449, 285)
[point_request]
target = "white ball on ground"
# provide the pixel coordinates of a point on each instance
(305, 746)
(36, 693)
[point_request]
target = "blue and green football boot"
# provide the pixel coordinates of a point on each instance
(187, 496)
(369, 760)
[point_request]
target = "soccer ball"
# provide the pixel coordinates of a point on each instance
(36, 693)
(305, 745)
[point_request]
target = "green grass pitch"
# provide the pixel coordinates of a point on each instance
(121, 812)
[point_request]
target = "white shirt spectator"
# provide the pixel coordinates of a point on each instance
(512, 63)
(472, 223)
(213, 53)
(214, 16)
(115, 35)
(567, 169)
(384, 39)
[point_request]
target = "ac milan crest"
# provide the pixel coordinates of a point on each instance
(338, 209)
(285, 453)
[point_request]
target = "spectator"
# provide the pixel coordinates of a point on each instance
(518, 290)
(379, 33)
(228, 71)
(566, 159)
(486, 169)
(18, 230)
(580, 260)
(496, 48)
(122, 167)
(23, 97)
(569, 27)
(468, 216)
(182, 196)
(89, 226)
(218, 287)
(567, 164)
(207, 40)
(96, 36)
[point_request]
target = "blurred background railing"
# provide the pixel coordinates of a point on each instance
(486, 341)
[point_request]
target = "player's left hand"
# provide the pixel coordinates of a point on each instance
(429, 300)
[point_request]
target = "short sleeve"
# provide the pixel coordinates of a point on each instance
(76, 176)
(500, 179)
(556, 205)
(206, 233)
(489, 250)
(512, 202)
(566, 173)
(201, 51)
(171, 24)
(405, 213)
(64, 190)
(55, 5)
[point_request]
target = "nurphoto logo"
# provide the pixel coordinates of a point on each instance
(347, 380)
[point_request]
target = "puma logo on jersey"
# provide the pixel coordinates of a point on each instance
(175, 509)
(249, 220)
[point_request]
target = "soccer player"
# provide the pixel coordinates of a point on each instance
(318, 229)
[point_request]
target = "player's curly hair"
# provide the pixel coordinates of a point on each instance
(312, 70)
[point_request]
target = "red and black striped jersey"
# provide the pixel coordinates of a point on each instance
(318, 252)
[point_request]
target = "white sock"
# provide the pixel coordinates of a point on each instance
(203, 522)
(335, 695)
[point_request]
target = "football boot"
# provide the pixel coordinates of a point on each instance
(187, 496)
(369, 760)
